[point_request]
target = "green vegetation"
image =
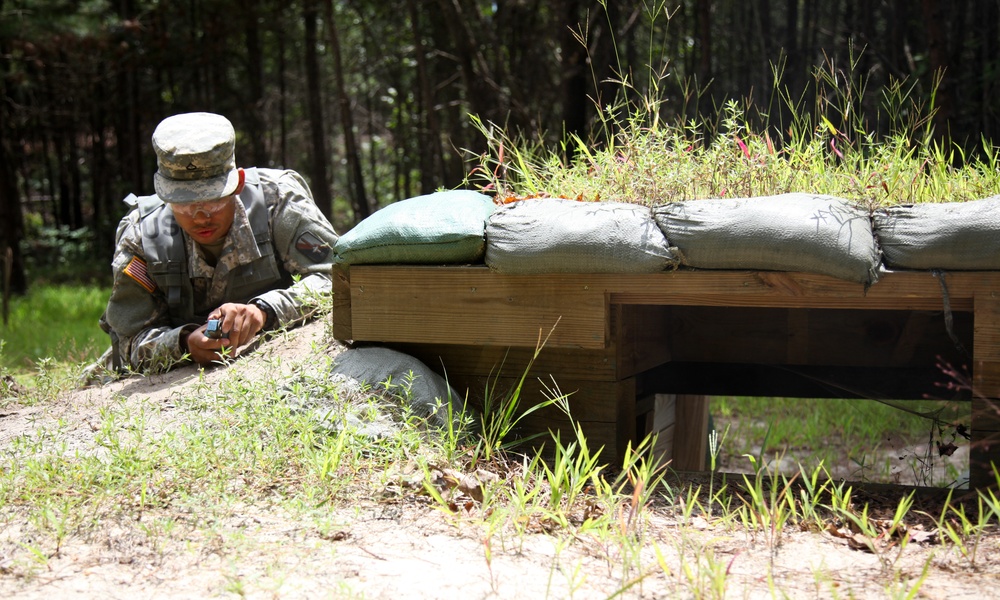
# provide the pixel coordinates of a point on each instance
(55, 322)
(233, 441)
(647, 161)
(884, 441)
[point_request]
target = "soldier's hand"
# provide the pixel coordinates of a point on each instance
(203, 349)
(240, 322)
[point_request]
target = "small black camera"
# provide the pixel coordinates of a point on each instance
(213, 330)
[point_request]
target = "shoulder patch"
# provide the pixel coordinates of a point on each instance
(312, 247)
(136, 269)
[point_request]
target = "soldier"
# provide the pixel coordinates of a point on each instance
(215, 242)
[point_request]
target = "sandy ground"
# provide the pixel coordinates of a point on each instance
(407, 548)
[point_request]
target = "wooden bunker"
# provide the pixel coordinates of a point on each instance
(626, 344)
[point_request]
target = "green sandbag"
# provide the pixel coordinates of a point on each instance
(960, 236)
(789, 232)
(555, 235)
(439, 228)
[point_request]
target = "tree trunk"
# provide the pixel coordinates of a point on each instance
(937, 50)
(482, 97)
(428, 126)
(282, 94)
(320, 185)
(255, 84)
(11, 217)
(354, 174)
(703, 42)
(989, 55)
(574, 60)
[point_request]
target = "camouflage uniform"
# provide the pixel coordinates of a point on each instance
(147, 330)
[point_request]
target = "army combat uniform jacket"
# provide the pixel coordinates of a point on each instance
(164, 288)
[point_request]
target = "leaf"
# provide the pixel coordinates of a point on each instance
(829, 125)
(946, 449)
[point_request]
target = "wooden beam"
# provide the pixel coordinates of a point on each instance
(641, 338)
(832, 337)
(465, 359)
(470, 305)
(341, 316)
(894, 291)
(691, 433)
(985, 443)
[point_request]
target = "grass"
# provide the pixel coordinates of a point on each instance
(54, 321)
(239, 445)
(645, 160)
(886, 442)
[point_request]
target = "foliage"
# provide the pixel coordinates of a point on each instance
(56, 322)
(649, 161)
(63, 255)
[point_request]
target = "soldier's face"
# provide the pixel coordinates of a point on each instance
(206, 222)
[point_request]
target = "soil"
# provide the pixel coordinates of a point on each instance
(408, 548)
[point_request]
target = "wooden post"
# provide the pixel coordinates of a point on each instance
(341, 316)
(985, 443)
(691, 435)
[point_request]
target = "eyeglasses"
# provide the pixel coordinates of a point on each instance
(209, 207)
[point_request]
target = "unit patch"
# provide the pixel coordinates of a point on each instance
(312, 247)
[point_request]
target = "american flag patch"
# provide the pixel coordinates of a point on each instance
(136, 269)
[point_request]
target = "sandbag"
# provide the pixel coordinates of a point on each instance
(439, 228)
(555, 235)
(789, 232)
(960, 236)
(389, 371)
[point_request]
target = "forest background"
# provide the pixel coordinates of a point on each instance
(378, 101)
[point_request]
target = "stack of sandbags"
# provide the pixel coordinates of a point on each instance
(790, 232)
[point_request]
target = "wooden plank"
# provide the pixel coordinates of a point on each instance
(900, 290)
(691, 434)
(986, 414)
(341, 315)
(476, 306)
(831, 337)
(984, 457)
(894, 291)
(472, 305)
(456, 359)
(986, 347)
(798, 337)
(624, 398)
(641, 337)
(664, 419)
(783, 381)
(985, 443)
(592, 404)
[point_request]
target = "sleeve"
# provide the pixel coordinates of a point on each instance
(137, 316)
(304, 240)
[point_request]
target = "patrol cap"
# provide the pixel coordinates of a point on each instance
(195, 158)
